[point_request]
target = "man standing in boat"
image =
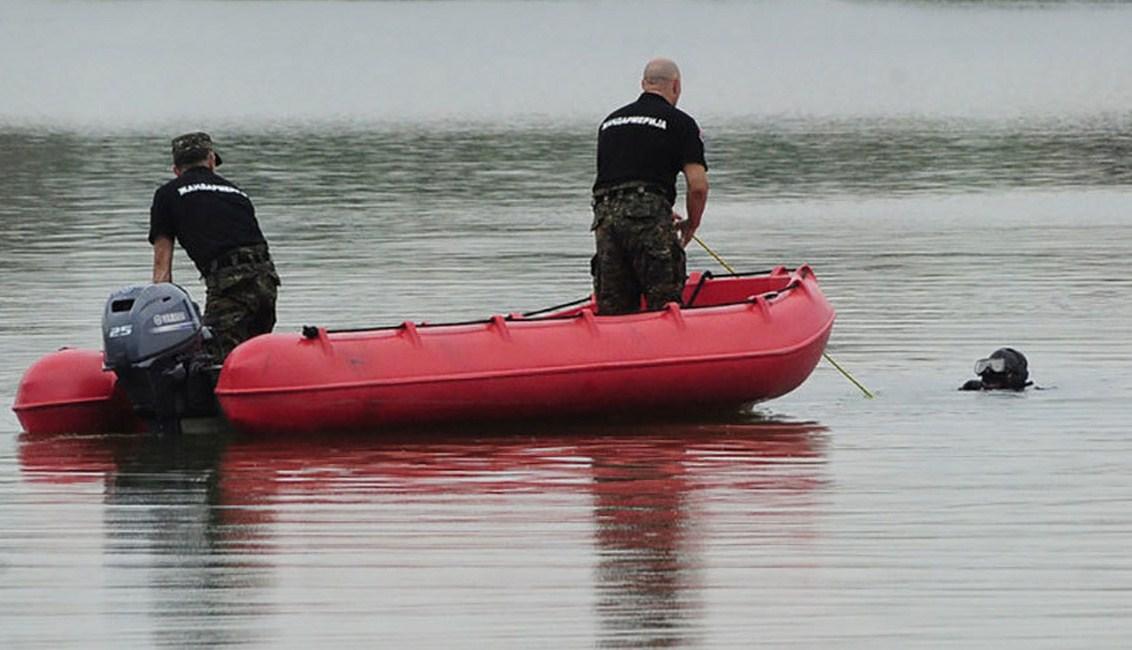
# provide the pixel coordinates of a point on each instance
(640, 240)
(215, 222)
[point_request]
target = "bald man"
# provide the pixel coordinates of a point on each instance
(639, 238)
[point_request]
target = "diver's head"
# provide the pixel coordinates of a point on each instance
(1004, 368)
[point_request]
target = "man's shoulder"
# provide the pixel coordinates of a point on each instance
(682, 117)
(677, 120)
(168, 185)
(631, 107)
(165, 191)
(972, 384)
(650, 113)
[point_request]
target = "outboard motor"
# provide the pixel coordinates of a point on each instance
(153, 341)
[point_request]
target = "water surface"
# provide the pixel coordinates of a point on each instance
(957, 174)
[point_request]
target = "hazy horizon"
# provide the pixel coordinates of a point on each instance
(118, 65)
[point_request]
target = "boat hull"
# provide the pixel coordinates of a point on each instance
(738, 340)
(67, 391)
(746, 340)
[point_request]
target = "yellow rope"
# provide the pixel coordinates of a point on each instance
(847, 375)
(824, 354)
(713, 254)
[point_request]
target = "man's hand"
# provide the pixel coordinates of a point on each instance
(687, 231)
(685, 227)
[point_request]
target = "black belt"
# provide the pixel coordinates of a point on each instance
(238, 256)
(622, 189)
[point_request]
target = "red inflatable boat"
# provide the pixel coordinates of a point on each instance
(739, 339)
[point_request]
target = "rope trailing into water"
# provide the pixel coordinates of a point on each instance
(828, 358)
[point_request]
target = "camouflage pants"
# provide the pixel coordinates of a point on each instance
(240, 304)
(638, 253)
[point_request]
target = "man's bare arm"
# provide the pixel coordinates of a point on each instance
(162, 260)
(695, 200)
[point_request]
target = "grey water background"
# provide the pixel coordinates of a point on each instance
(958, 174)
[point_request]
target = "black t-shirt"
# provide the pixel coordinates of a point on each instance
(648, 141)
(206, 213)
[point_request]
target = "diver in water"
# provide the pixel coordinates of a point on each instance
(1004, 369)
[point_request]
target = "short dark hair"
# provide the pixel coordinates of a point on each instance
(193, 148)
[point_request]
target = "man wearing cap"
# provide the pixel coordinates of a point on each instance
(214, 220)
(640, 240)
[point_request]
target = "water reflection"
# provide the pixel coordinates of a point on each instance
(164, 503)
(166, 531)
(211, 519)
(652, 504)
(646, 573)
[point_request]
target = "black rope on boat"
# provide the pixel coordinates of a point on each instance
(771, 295)
(745, 274)
(380, 328)
(311, 331)
(556, 307)
(707, 275)
(766, 272)
(348, 330)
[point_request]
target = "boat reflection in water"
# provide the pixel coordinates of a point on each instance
(224, 519)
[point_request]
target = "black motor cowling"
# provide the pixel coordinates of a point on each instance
(153, 340)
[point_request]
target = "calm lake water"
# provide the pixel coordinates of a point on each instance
(958, 174)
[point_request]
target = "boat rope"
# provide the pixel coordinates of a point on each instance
(699, 285)
(564, 305)
(719, 259)
(825, 354)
